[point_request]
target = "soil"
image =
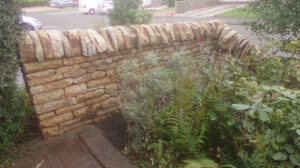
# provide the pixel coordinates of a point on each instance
(114, 129)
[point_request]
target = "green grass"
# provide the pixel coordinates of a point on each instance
(58, 10)
(238, 13)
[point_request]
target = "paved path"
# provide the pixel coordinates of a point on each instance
(82, 148)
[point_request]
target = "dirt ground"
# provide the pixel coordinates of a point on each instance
(114, 129)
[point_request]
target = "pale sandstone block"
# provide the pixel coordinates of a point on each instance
(82, 79)
(45, 116)
(99, 62)
(41, 74)
(169, 31)
(42, 81)
(91, 69)
(109, 103)
(139, 36)
(109, 60)
(74, 40)
(111, 88)
(101, 118)
(162, 33)
(110, 72)
(121, 43)
(81, 112)
(50, 132)
(56, 120)
(97, 100)
(100, 42)
(70, 108)
(75, 90)
(37, 89)
(129, 37)
(75, 73)
(98, 74)
(69, 61)
(26, 50)
(41, 109)
(151, 34)
(86, 44)
(65, 69)
(85, 65)
(108, 43)
(57, 43)
(84, 97)
(113, 38)
(48, 97)
(99, 92)
(99, 82)
(58, 84)
(40, 66)
(46, 44)
(107, 111)
(67, 47)
(68, 123)
(38, 49)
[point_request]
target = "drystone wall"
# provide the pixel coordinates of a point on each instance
(71, 75)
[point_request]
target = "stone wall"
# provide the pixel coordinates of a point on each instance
(71, 75)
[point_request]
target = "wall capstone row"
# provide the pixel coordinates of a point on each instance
(71, 75)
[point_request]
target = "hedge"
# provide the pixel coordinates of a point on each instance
(29, 3)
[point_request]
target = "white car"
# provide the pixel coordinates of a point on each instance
(106, 7)
(31, 23)
(89, 6)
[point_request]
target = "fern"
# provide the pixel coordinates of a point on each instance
(200, 163)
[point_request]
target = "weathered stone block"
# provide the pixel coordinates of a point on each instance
(46, 44)
(97, 100)
(70, 108)
(109, 103)
(26, 50)
(74, 40)
(106, 111)
(84, 97)
(98, 74)
(58, 84)
(39, 53)
(113, 38)
(67, 47)
(99, 92)
(75, 73)
(41, 109)
(98, 82)
(99, 40)
(75, 90)
(57, 43)
(45, 116)
(48, 97)
(83, 79)
(87, 47)
(108, 43)
(41, 81)
(111, 88)
(80, 112)
(40, 66)
(65, 69)
(120, 39)
(56, 120)
(50, 132)
(41, 74)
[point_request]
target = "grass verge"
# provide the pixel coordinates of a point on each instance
(58, 10)
(238, 13)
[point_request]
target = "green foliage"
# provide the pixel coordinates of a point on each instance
(276, 17)
(16, 115)
(237, 113)
(200, 163)
(239, 13)
(29, 3)
(126, 12)
(14, 103)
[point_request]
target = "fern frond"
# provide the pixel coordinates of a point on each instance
(200, 163)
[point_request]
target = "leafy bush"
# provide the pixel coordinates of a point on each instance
(29, 3)
(171, 3)
(14, 103)
(229, 111)
(126, 12)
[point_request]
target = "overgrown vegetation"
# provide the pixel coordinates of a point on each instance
(127, 12)
(15, 109)
(29, 3)
(218, 111)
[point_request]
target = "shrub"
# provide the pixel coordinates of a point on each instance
(14, 103)
(229, 111)
(126, 12)
(29, 3)
(171, 3)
